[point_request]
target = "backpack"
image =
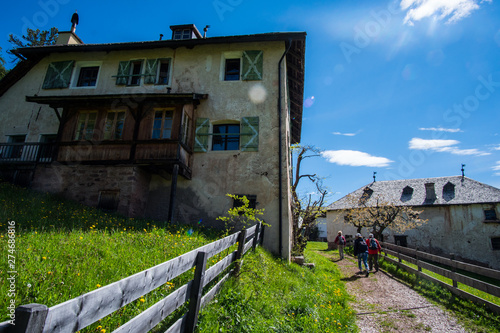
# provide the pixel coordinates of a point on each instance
(373, 244)
(341, 240)
(362, 246)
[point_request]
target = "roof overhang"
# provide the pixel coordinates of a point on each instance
(61, 101)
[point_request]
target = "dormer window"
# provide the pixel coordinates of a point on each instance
(182, 34)
(430, 193)
(448, 191)
(185, 31)
(407, 194)
(367, 193)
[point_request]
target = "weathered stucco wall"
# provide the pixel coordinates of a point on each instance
(214, 173)
(457, 229)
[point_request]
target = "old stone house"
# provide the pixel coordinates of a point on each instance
(161, 129)
(463, 216)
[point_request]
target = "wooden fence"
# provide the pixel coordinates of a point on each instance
(425, 261)
(82, 311)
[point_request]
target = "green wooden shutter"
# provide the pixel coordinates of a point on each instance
(123, 72)
(201, 137)
(150, 71)
(58, 75)
(252, 65)
(249, 134)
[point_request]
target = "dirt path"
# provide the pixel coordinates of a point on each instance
(384, 304)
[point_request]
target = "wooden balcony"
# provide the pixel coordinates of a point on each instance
(156, 155)
(26, 153)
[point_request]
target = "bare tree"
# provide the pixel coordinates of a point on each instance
(379, 214)
(305, 211)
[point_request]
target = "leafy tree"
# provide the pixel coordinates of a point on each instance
(33, 38)
(378, 214)
(305, 211)
(242, 215)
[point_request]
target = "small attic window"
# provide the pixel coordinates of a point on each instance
(448, 191)
(490, 215)
(495, 243)
(406, 194)
(367, 193)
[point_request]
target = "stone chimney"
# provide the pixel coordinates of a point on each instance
(69, 37)
(430, 192)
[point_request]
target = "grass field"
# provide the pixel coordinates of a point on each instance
(63, 249)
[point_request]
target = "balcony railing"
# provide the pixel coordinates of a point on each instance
(26, 153)
(162, 154)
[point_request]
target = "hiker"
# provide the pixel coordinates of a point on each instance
(374, 249)
(340, 241)
(361, 250)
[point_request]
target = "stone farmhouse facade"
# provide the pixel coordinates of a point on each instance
(463, 216)
(159, 129)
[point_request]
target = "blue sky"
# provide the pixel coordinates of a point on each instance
(406, 89)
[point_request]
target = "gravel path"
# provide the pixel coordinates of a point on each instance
(384, 304)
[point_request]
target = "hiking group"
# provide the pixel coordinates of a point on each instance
(367, 252)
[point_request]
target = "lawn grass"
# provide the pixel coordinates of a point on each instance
(64, 249)
(274, 296)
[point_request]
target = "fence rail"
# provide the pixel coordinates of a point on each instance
(427, 261)
(80, 312)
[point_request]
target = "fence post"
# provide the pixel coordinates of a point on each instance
(453, 269)
(196, 292)
(239, 254)
(418, 262)
(261, 236)
(256, 235)
(30, 318)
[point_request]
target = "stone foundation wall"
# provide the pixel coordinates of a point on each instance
(83, 183)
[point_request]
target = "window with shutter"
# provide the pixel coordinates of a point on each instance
(226, 137)
(249, 134)
(123, 73)
(150, 71)
(58, 75)
(201, 135)
(252, 62)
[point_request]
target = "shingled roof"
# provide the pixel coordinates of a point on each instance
(455, 190)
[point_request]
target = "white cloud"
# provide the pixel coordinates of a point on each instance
(443, 146)
(355, 158)
(344, 134)
(497, 167)
(496, 148)
(452, 10)
(441, 129)
(422, 144)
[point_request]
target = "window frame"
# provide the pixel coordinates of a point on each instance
(226, 134)
(162, 128)
(134, 80)
(162, 61)
(492, 213)
(77, 73)
(81, 134)
(228, 56)
(110, 130)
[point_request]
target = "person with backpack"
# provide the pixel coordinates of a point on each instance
(361, 250)
(374, 249)
(340, 241)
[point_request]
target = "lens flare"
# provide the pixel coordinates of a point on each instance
(257, 93)
(309, 102)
